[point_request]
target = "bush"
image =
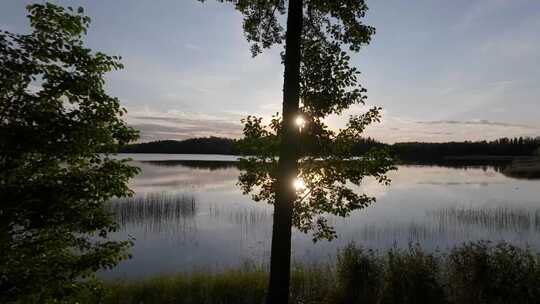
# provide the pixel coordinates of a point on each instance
(359, 276)
(481, 273)
(412, 276)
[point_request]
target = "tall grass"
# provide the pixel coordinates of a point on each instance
(498, 218)
(153, 207)
(235, 286)
(474, 273)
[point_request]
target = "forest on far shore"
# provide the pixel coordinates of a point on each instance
(410, 151)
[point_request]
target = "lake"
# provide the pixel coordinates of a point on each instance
(188, 214)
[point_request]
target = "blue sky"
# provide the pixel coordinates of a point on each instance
(442, 70)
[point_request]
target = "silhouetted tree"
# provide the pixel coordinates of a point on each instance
(54, 117)
(318, 81)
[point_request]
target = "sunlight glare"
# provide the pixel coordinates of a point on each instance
(299, 184)
(299, 121)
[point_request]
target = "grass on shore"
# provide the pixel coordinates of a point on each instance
(479, 272)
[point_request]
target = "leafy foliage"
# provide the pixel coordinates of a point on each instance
(329, 84)
(328, 172)
(55, 117)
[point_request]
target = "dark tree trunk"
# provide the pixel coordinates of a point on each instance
(280, 260)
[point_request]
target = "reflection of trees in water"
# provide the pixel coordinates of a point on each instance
(519, 167)
(524, 168)
(153, 207)
(194, 164)
(483, 164)
(504, 166)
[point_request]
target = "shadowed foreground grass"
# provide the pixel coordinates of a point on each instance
(473, 273)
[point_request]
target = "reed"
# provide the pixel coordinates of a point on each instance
(498, 218)
(153, 207)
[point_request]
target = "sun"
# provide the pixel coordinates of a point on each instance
(299, 121)
(299, 184)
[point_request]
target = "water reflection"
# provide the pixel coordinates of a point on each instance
(195, 164)
(191, 215)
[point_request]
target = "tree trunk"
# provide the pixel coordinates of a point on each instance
(280, 260)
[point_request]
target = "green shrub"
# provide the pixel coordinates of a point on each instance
(359, 276)
(412, 276)
(481, 273)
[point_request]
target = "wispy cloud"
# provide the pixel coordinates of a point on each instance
(477, 11)
(479, 59)
(399, 129)
(178, 125)
(477, 122)
(192, 47)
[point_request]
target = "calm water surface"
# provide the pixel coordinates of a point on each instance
(189, 214)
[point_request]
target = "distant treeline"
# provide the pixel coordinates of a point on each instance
(202, 145)
(522, 146)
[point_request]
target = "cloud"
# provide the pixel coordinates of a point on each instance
(401, 129)
(477, 11)
(395, 127)
(476, 122)
(192, 47)
(179, 125)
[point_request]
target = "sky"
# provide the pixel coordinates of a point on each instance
(441, 70)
